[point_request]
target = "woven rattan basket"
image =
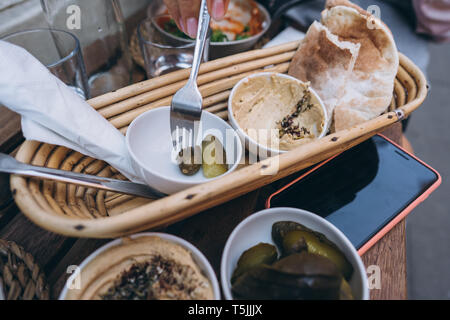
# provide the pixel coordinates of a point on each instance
(81, 212)
(20, 276)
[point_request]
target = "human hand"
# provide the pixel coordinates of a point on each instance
(185, 13)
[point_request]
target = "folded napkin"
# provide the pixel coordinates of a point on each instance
(287, 35)
(53, 113)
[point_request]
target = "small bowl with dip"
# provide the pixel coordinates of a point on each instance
(110, 272)
(149, 143)
(274, 113)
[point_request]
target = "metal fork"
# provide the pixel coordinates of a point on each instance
(186, 106)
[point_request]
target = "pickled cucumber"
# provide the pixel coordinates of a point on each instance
(262, 253)
(346, 291)
(317, 246)
(301, 276)
(292, 243)
(316, 243)
(214, 159)
(281, 228)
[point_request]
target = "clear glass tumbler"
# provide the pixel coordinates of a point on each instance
(100, 27)
(59, 51)
(161, 55)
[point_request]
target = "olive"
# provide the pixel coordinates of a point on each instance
(213, 164)
(262, 253)
(318, 246)
(186, 161)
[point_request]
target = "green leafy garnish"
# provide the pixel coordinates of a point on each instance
(218, 36)
(242, 36)
(172, 28)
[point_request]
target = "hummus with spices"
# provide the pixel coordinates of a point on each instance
(277, 112)
(182, 277)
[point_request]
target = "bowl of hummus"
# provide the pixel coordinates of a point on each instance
(274, 113)
(144, 266)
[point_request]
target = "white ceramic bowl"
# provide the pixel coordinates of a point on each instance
(198, 257)
(149, 144)
(262, 150)
(258, 227)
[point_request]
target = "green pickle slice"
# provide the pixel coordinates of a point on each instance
(317, 246)
(345, 291)
(262, 253)
(214, 161)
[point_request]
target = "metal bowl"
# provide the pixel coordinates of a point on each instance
(219, 49)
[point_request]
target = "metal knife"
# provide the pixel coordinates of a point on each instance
(10, 165)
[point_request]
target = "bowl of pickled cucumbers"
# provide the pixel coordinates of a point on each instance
(169, 169)
(291, 254)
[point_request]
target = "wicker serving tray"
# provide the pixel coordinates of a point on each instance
(81, 212)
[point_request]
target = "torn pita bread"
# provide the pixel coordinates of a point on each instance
(334, 3)
(369, 88)
(326, 62)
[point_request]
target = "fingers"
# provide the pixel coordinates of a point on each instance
(218, 8)
(174, 11)
(185, 13)
(189, 15)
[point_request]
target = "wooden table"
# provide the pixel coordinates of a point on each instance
(207, 230)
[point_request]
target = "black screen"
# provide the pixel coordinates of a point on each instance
(360, 190)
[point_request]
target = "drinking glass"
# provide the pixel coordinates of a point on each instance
(163, 53)
(59, 51)
(159, 54)
(100, 27)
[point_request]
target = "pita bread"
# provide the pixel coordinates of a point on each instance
(326, 62)
(334, 3)
(369, 88)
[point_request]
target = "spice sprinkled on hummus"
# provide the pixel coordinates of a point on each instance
(158, 279)
(277, 111)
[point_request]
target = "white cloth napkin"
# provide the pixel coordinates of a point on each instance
(53, 113)
(287, 35)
